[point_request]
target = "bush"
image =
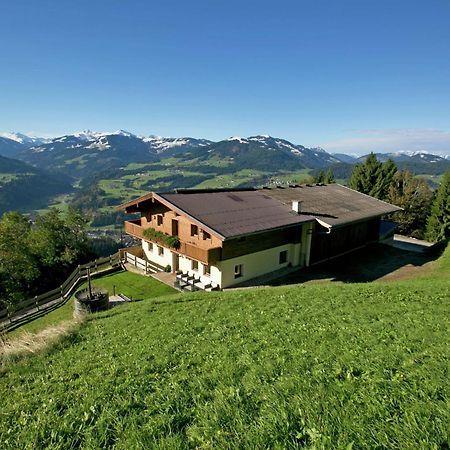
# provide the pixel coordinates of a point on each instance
(163, 238)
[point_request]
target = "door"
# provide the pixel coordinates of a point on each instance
(174, 227)
(175, 262)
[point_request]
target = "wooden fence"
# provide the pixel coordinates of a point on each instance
(28, 310)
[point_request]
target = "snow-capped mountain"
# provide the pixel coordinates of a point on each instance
(24, 139)
(174, 145)
(263, 152)
(406, 156)
(89, 152)
(10, 148)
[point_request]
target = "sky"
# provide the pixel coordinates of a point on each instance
(350, 76)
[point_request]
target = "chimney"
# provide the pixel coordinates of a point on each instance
(297, 206)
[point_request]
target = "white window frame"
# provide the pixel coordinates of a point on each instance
(279, 257)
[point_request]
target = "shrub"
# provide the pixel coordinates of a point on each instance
(163, 238)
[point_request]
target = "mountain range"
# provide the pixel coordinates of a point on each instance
(120, 164)
(85, 153)
(89, 151)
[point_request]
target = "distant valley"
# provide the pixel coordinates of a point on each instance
(24, 187)
(101, 170)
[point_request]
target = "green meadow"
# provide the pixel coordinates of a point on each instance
(317, 366)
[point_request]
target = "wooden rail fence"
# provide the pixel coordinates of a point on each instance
(32, 308)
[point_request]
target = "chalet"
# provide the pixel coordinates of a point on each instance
(215, 239)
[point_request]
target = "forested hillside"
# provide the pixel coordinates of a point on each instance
(24, 187)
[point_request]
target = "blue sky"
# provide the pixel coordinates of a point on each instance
(348, 75)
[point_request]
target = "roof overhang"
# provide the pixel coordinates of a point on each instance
(135, 203)
(134, 206)
(353, 222)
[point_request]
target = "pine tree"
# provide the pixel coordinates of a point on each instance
(385, 180)
(415, 197)
(438, 226)
(329, 177)
(365, 177)
(320, 177)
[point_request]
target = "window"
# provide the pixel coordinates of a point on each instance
(238, 271)
(194, 265)
(194, 230)
(206, 235)
(283, 256)
(206, 269)
(160, 251)
(150, 246)
(159, 219)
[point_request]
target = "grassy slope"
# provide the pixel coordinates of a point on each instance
(300, 366)
(132, 285)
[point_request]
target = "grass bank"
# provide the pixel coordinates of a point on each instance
(318, 366)
(130, 284)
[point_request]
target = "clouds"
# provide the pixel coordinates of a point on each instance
(392, 140)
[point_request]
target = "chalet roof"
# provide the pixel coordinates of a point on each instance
(232, 213)
(332, 204)
(235, 213)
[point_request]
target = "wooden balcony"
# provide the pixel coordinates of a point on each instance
(204, 255)
(134, 228)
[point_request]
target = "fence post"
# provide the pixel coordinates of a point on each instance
(95, 262)
(36, 301)
(61, 291)
(135, 261)
(146, 268)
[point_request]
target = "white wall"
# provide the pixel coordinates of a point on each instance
(215, 277)
(257, 264)
(163, 260)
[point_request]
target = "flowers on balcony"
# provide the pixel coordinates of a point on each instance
(162, 238)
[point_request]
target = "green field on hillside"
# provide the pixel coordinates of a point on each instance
(134, 286)
(320, 366)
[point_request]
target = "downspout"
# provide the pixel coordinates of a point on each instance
(309, 233)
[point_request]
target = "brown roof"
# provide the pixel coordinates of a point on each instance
(235, 213)
(332, 204)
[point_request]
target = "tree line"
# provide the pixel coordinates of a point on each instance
(425, 215)
(35, 257)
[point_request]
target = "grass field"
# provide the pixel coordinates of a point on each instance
(319, 366)
(135, 287)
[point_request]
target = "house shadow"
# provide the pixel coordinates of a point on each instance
(367, 264)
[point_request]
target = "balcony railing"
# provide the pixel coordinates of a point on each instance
(207, 256)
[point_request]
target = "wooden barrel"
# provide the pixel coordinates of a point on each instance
(86, 305)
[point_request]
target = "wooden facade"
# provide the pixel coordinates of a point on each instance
(207, 255)
(258, 242)
(326, 245)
